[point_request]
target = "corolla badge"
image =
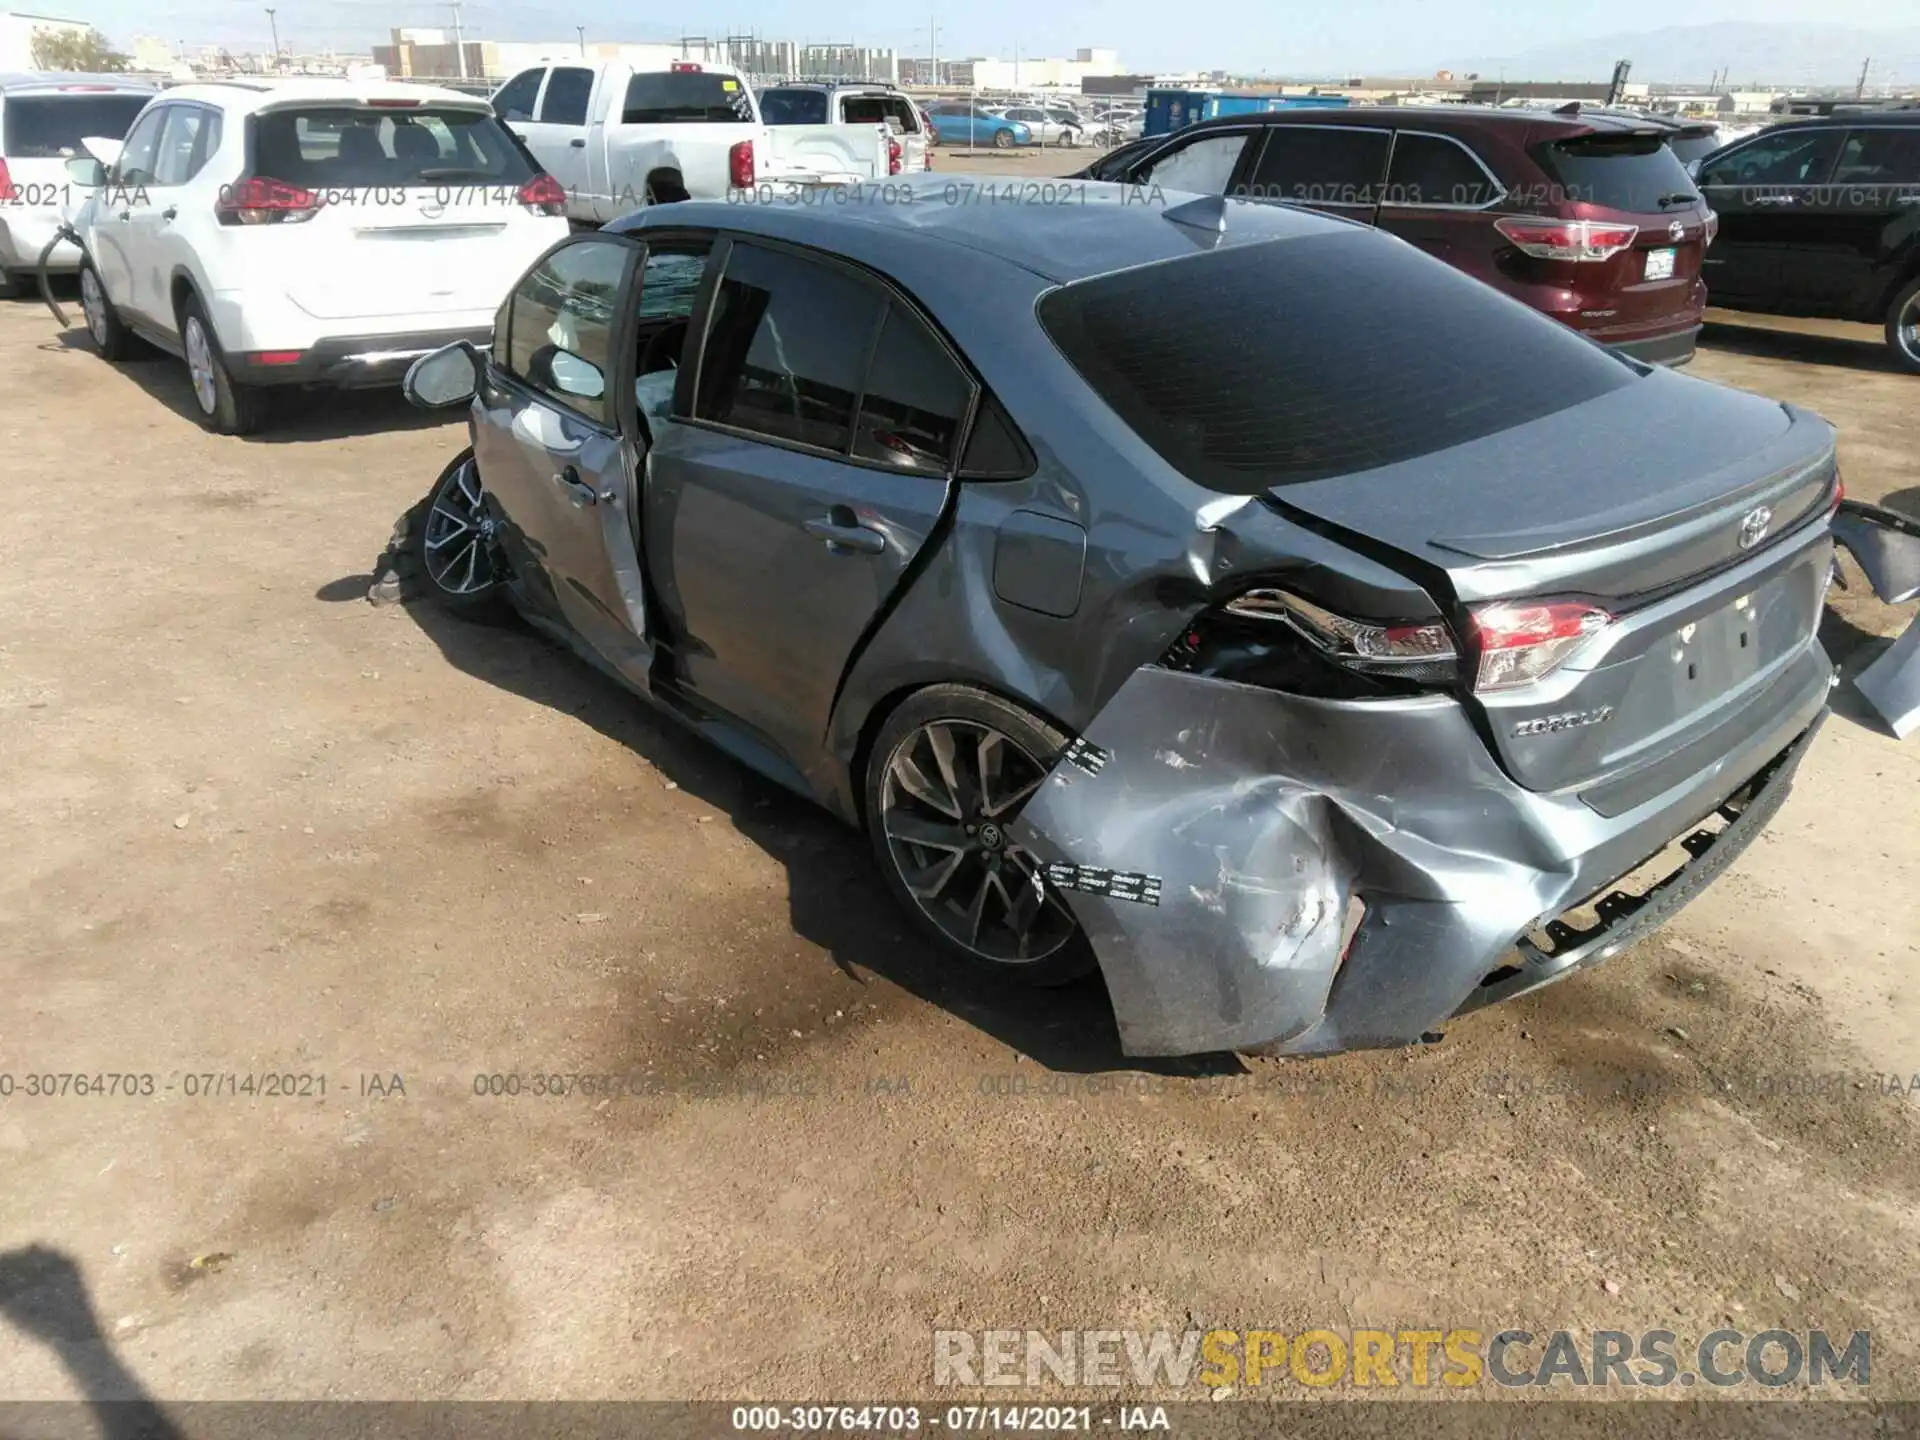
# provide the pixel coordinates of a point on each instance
(1753, 526)
(1676, 231)
(1571, 720)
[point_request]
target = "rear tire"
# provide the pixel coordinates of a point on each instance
(110, 337)
(950, 769)
(1903, 328)
(224, 407)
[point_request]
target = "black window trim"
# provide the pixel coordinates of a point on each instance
(1501, 189)
(891, 294)
(1770, 132)
(618, 336)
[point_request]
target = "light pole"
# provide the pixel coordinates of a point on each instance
(274, 25)
(581, 31)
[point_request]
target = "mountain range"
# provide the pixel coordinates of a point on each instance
(1757, 54)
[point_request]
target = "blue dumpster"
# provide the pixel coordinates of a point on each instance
(1170, 110)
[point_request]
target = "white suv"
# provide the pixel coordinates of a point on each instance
(306, 232)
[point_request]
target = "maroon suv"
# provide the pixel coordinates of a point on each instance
(1589, 218)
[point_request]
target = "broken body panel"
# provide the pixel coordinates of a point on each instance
(1887, 545)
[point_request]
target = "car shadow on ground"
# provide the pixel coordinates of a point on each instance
(836, 898)
(294, 416)
(1763, 343)
(43, 1296)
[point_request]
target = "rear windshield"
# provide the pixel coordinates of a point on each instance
(686, 97)
(1276, 363)
(793, 107)
(51, 127)
(323, 149)
(1620, 172)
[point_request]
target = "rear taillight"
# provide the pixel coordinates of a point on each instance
(740, 165)
(893, 157)
(544, 195)
(1547, 239)
(1839, 493)
(263, 201)
(7, 192)
(1421, 651)
(1517, 644)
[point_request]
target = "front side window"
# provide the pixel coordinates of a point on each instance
(786, 348)
(136, 162)
(1205, 166)
(1320, 165)
(1433, 170)
(565, 102)
(670, 279)
(1789, 158)
(514, 100)
(561, 322)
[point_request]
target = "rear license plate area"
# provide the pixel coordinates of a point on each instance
(1660, 263)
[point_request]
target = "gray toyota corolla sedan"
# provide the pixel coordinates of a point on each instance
(1228, 596)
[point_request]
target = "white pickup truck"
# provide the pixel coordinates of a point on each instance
(617, 138)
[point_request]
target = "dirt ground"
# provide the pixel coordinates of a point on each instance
(253, 825)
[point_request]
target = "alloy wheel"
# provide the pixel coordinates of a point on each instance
(94, 303)
(459, 535)
(1906, 329)
(200, 365)
(952, 789)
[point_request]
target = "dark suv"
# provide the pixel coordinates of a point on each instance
(1821, 217)
(1588, 218)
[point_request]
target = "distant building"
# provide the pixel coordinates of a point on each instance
(1747, 102)
(1554, 92)
(1039, 72)
(17, 32)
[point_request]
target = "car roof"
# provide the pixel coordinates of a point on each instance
(57, 80)
(1852, 118)
(319, 90)
(1394, 116)
(1084, 228)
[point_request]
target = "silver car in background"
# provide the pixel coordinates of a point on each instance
(1232, 598)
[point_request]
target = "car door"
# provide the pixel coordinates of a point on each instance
(558, 453)
(112, 240)
(1756, 188)
(558, 133)
(188, 136)
(809, 460)
(1867, 213)
(1336, 168)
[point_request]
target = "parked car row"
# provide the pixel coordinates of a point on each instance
(1590, 215)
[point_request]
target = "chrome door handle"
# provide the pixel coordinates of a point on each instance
(577, 489)
(844, 534)
(577, 144)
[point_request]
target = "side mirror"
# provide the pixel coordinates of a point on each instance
(568, 373)
(87, 171)
(449, 376)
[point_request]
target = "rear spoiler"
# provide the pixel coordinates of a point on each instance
(379, 104)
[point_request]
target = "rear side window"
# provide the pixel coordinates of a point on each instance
(323, 149)
(686, 97)
(560, 324)
(787, 348)
(1433, 170)
(51, 127)
(1879, 157)
(1619, 172)
(565, 102)
(1321, 165)
(514, 100)
(793, 107)
(1276, 363)
(916, 398)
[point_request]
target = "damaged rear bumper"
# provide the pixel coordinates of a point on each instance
(1213, 838)
(1887, 545)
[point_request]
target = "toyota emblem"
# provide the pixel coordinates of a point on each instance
(1753, 526)
(432, 207)
(1676, 231)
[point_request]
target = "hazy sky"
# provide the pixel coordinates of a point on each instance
(1323, 38)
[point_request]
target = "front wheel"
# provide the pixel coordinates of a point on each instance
(226, 408)
(1903, 328)
(947, 776)
(455, 545)
(111, 338)
(1003, 139)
